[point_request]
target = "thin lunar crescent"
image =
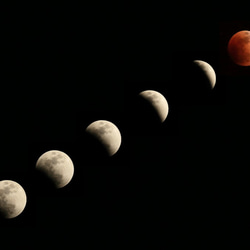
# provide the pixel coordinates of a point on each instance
(208, 70)
(158, 101)
(107, 134)
(57, 166)
(12, 199)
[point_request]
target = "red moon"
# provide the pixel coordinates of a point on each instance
(239, 48)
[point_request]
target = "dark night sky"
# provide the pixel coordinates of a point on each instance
(64, 69)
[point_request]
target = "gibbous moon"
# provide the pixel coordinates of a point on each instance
(12, 199)
(57, 166)
(158, 102)
(107, 134)
(208, 71)
(239, 48)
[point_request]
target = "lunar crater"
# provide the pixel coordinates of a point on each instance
(7, 209)
(151, 97)
(49, 168)
(245, 38)
(103, 129)
(6, 190)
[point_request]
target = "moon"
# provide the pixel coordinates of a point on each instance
(107, 134)
(239, 48)
(57, 166)
(208, 71)
(12, 199)
(158, 102)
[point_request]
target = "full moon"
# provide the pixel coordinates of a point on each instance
(12, 199)
(208, 71)
(158, 102)
(57, 166)
(239, 48)
(107, 134)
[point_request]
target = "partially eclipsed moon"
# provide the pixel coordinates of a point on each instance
(57, 166)
(158, 102)
(239, 48)
(107, 134)
(12, 199)
(208, 71)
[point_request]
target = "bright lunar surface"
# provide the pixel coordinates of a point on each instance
(158, 101)
(239, 48)
(107, 134)
(208, 70)
(57, 166)
(12, 199)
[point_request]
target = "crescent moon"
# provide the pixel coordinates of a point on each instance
(208, 71)
(12, 199)
(57, 166)
(158, 102)
(106, 134)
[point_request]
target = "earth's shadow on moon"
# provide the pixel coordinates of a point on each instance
(141, 117)
(190, 84)
(89, 153)
(95, 150)
(43, 184)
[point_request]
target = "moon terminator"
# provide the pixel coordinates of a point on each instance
(107, 134)
(57, 166)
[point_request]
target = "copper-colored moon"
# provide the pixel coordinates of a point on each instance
(239, 48)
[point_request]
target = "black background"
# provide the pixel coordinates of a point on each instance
(185, 180)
